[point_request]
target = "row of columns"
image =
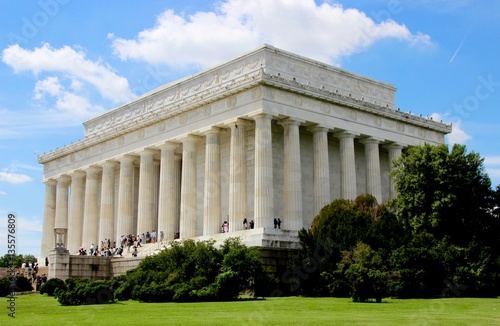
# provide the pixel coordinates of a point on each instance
(86, 227)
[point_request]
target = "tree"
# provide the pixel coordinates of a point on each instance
(17, 261)
(446, 206)
(445, 193)
(496, 206)
(338, 229)
(365, 273)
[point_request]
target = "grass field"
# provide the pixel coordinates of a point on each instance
(36, 309)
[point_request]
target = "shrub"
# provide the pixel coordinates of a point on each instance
(51, 286)
(80, 292)
(196, 271)
(22, 284)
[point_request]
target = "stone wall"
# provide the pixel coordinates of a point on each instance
(97, 268)
(94, 268)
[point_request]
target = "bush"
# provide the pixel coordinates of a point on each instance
(51, 286)
(196, 271)
(81, 292)
(365, 273)
(21, 285)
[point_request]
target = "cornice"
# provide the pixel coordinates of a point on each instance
(349, 101)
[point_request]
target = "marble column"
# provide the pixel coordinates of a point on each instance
(107, 215)
(75, 221)
(156, 195)
(347, 165)
(212, 197)
(373, 178)
(188, 215)
(169, 181)
(237, 175)
(146, 209)
(91, 209)
(49, 216)
(177, 184)
(321, 172)
(292, 218)
(62, 206)
(125, 221)
(264, 190)
(394, 153)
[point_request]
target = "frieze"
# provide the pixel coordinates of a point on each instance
(353, 114)
(207, 110)
(256, 93)
(231, 102)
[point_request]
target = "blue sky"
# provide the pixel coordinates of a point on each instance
(64, 61)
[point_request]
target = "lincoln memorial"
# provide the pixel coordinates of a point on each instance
(269, 134)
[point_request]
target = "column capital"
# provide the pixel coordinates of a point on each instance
(290, 122)
(62, 179)
(261, 116)
(210, 130)
(126, 158)
(370, 140)
(50, 182)
(189, 138)
(345, 134)
(77, 173)
(93, 169)
(168, 145)
(236, 122)
(394, 145)
(318, 128)
(147, 152)
(110, 164)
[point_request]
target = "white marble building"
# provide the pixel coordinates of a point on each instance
(267, 135)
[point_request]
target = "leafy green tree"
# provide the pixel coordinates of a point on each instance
(445, 193)
(496, 206)
(8, 261)
(339, 227)
(365, 273)
(446, 206)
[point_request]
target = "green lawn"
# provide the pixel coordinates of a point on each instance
(35, 309)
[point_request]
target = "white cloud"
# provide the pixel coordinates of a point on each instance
(49, 85)
(492, 160)
(2, 193)
(67, 60)
(11, 173)
(326, 32)
(492, 164)
(14, 178)
(68, 106)
(457, 135)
